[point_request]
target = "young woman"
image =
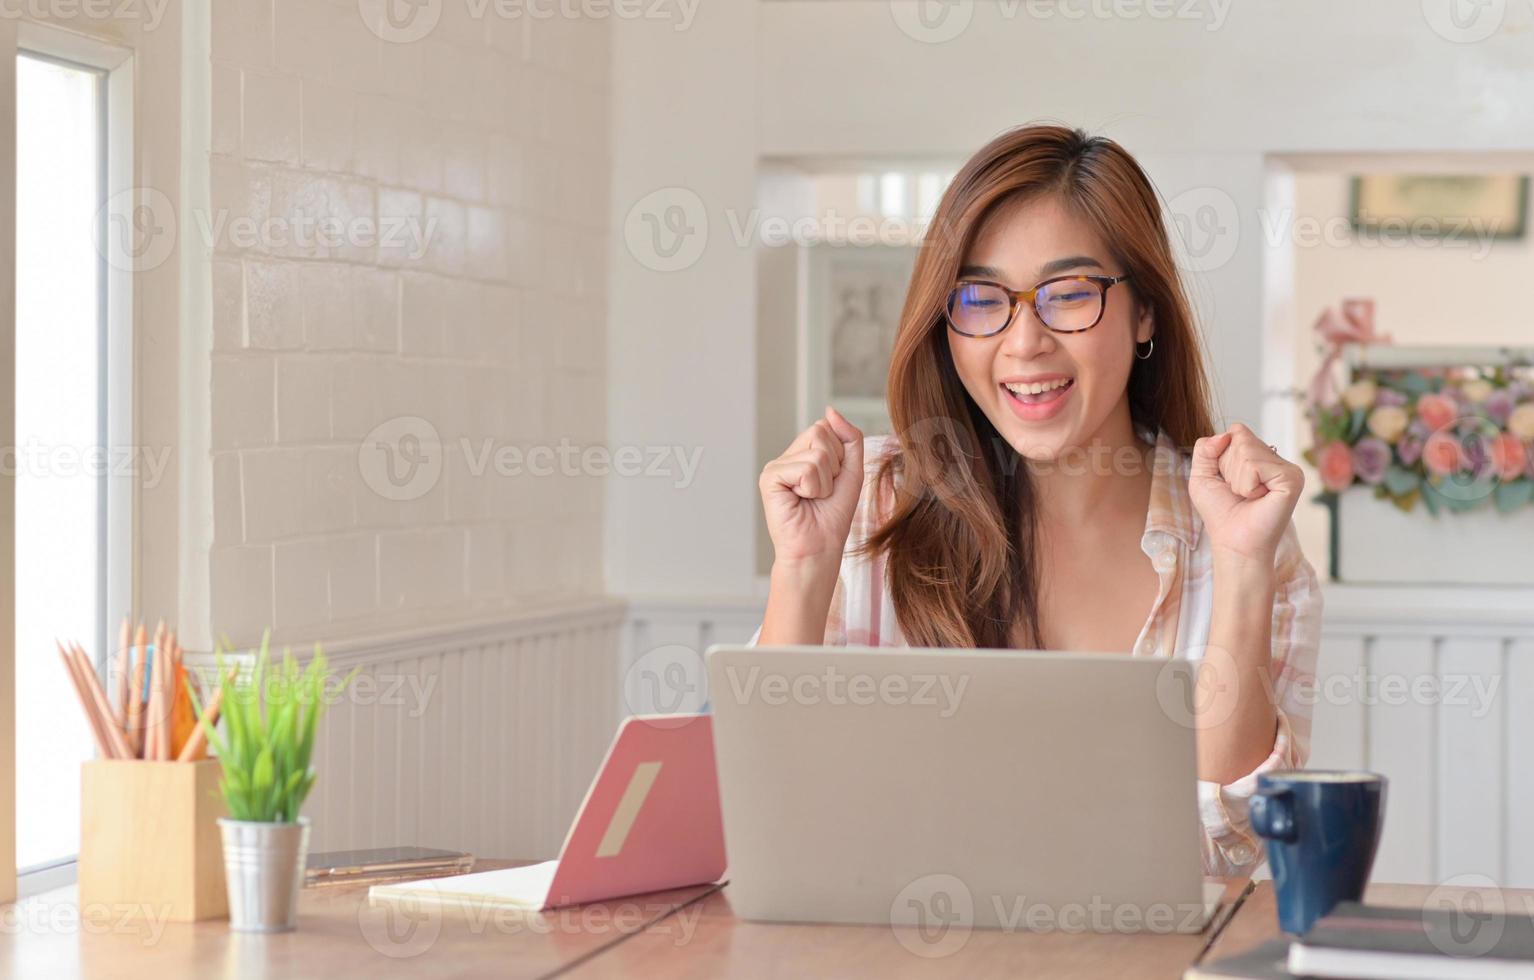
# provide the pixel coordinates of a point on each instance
(1054, 481)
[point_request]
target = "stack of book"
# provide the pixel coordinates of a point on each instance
(1367, 942)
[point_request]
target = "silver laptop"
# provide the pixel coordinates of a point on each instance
(998, 789)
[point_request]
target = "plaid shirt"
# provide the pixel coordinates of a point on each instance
(862, 614)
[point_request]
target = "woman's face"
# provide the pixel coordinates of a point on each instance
(1019, 246)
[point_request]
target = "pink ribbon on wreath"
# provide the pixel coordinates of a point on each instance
(1352, 323)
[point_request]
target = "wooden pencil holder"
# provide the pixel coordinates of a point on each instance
(149, 838)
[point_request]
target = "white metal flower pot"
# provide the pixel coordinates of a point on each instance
(1377, 543)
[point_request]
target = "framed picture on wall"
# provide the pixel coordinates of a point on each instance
(854, 293)
(1471, 207)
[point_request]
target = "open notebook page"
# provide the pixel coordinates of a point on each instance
(524, 888)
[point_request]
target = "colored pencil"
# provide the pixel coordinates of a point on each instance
(120, 676)
(103, 746)
(98, 697)
(136, 699)
(156, 722)
(173, 692)
(149, 693)
(191, 751)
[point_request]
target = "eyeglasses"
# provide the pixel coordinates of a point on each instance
(1065, 304)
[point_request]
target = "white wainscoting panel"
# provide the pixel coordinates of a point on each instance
(1434, 688)
(664, 640)
(482, 738)
(1519, 715)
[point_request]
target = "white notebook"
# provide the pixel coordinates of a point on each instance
(526, 887)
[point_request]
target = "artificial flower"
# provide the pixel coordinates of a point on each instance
(1388, 422)
(1520, 422)
(1360, 394)
(1476, 390)
(1442, 453)
(1499, 405)
(1371, 457)
(1439, 425)
(1477, 457)
(1336, 466)
(1509, 455)
(1437, 411)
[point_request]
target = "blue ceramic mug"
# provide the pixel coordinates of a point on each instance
(1322, 828)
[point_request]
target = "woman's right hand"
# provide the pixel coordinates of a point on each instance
(810, 493)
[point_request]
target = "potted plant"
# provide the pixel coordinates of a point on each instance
(270, 715)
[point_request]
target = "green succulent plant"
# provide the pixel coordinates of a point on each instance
(270, 716)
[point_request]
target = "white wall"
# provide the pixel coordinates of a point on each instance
(777, 348)
(488, 137)
(682, 340)
(1200, 107)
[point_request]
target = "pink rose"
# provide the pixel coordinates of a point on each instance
(1336, 466)
(1508, 455)
(1436, 410)
(1442, 454)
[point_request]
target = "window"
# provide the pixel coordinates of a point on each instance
(60, 325)
(73, 416)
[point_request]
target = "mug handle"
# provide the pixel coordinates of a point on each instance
(1272, 813)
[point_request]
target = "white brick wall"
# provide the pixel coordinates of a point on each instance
(493, 134)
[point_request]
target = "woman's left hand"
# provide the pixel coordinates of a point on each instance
(1244, 492)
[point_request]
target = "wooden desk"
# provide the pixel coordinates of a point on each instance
(705, 940)
(689, 932)
(338, 936)
(1256, 919)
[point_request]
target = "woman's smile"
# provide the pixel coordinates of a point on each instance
(1037, 400)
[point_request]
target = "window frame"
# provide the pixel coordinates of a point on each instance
(116, 416)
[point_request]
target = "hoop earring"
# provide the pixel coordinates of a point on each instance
(1147, 354)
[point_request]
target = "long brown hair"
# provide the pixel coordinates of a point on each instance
(961, 537)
